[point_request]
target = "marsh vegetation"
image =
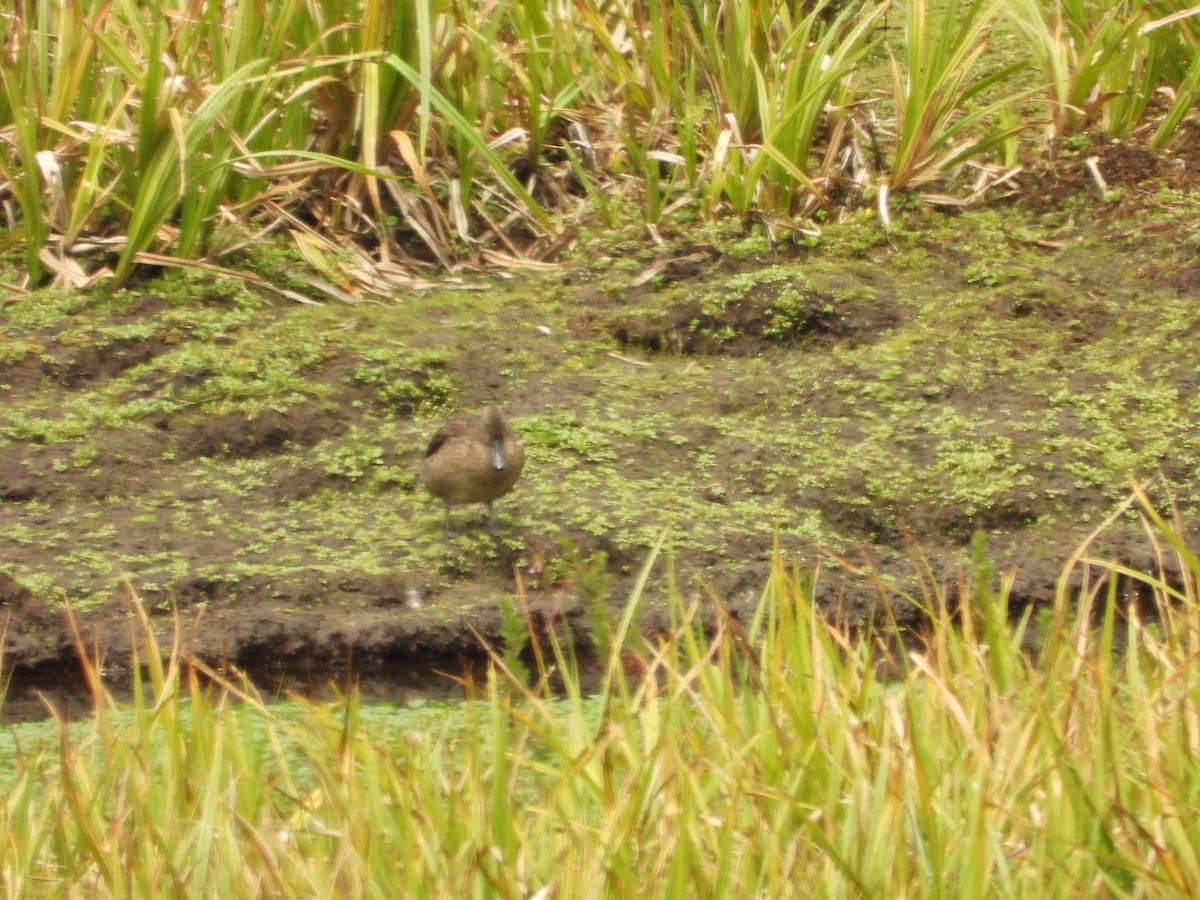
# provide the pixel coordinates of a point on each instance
(889, 308)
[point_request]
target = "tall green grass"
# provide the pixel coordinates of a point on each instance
(385, 138)
(936, 89)
(775, 757)
(1105, 63)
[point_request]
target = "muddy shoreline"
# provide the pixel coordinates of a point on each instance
(249, 466)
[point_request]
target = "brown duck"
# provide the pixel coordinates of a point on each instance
(473, 460)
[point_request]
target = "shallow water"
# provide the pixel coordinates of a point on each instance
(31, 695)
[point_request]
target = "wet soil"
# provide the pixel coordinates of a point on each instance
(246, 470)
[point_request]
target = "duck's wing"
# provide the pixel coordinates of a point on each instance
(447, 432)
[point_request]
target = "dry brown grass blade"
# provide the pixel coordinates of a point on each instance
(69, 273)
(416, 168)
(1093, 166)
(170, 262)
(497, 230)
(426, 220)
(1169, 20)
(497, 258)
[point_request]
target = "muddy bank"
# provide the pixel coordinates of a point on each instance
(875, 401)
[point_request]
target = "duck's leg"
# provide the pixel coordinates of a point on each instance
(449, 526)
(491, 518)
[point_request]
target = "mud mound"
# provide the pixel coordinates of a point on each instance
(1124, 165)
(73, 367)
(240, 435)
(34, 632)
(771, 315)
(75, 360)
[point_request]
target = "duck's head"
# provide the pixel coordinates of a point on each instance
(493, 422)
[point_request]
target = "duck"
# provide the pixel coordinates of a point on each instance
(473, 459)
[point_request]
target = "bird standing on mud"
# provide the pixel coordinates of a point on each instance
(473, 460)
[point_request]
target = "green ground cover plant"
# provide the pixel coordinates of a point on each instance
(253, 463)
